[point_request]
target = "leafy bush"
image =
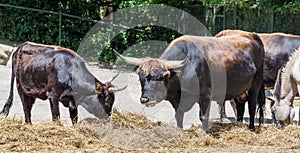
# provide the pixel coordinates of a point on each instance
(19, 25)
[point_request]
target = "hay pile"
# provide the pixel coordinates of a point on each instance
(131, 132)
(15, 136)
(134, 132)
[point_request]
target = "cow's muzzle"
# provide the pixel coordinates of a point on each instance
(144, 100)
(147, 102)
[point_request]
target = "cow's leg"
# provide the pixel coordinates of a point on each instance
(204, 104)
(240, 109)
(73, 111)
(27, 103)
(233, 105)
(252, 101)
(299, 117)
(222, 112)
(54, 108)
(252, 109)
(179, 114)
(298, 88)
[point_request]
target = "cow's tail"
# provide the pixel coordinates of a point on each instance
(261, 104)
(9, 101)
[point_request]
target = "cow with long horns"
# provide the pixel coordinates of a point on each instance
(236, 62)
(60, 75)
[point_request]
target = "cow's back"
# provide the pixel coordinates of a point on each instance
(42, 68)
(278, 49)
(238, 56)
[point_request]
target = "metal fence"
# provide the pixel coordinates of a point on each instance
(43, 23)
(265, 20)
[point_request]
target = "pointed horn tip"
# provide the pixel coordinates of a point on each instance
(129, 60)
(114, 77)
(178, 64)
(113, 89)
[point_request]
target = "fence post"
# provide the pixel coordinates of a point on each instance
(234, 17)
(272, 20)
(59, 29)
(181, 23)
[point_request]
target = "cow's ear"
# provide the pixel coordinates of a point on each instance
(166, 74)
(175, 73)
(99, 88)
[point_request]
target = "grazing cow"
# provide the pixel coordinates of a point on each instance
(60, 75)
(278, 48)
(239, 57)
(285, 89)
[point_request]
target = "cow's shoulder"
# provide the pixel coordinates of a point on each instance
(229, 32)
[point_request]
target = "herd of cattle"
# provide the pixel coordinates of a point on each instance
(234, 65)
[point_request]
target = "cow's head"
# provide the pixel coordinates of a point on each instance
(281, 107)
(282, 111)
(155, 76)
(105, 92)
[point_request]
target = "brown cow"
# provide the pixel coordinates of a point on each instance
(239, 57)
(278, 49)
(60, 75)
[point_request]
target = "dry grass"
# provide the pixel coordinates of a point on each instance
(47, 137)
(128, 132)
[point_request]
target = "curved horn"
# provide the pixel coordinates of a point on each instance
(113, 89)
(176, 64)
(130, 60)
(114, 77)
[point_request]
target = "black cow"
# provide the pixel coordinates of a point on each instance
(234, 61)
(60, 75)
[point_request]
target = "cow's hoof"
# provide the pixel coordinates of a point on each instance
(279, 125)
(225, 120)
(208, 132)
(252, 128)
(4, 113)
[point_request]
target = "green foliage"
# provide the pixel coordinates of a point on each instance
(21, 25)
(292, 7)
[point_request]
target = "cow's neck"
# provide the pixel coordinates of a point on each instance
(84, 86)
(287, 95)
(288, 85)
(174, 92)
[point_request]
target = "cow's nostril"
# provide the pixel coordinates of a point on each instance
(144, 100)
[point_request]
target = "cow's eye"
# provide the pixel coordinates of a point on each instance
(148, 77)
(159, 77)
(142, 78)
